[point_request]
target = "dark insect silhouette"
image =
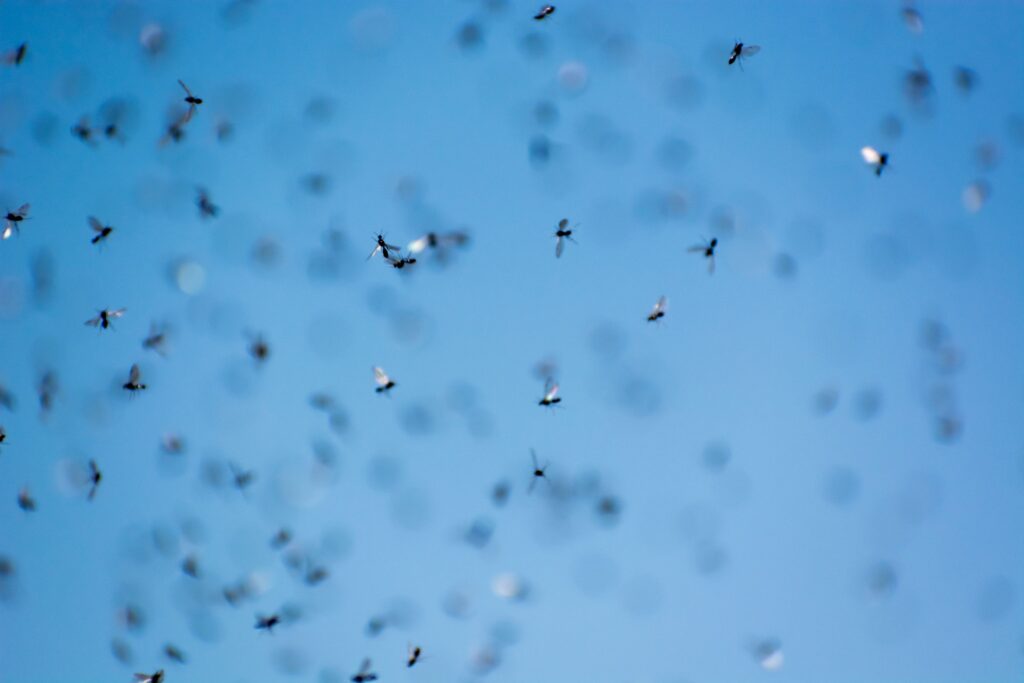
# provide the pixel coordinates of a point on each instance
(83, 131)
(538, 471)
(16, 56)
(550, 394)
(242, 478)
(282, 538)
(267, 623)
(95, 477)
(207, 209)
(133, 384)
(47, 390)
(190, 566)
(544, 12)
(707, 250)
(258, 348)
(384, 383)
(102, 231)
(13, 220)
(740, 51)
(658, 311)
(25, 500)
(563, 233)
(364, 675)
(157, 677)
(414, 655)
(176, 120)
(383, 247)
(400, 261)
(174, 654)
(104, 318)
(192, 100)
(875, 159)
(3, 435)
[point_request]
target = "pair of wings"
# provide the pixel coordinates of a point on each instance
(94, 322)
(381, 377)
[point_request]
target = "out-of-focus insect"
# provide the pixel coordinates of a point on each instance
(84, 131)
(25, 500)
(401, 261)
(917, 84)
(658, 311)
(172, 444)
(133, 384)
(384, 383)
(544, 12)
(102, 231)
(176, 120)
(364, 675)
(190, 566)
(95, 477)
(414, 655)
(13, 220)
(192, 100)
(875, 159)
(965, 79)
(563, 233)
(280, 539)
(538, 471)
(267, 623)
(242, 478)
(912, 18)
(383, 247)
(707, 250)
(316, 574)
(156, 340)
(174, 654)
(47, 390)
(105, 318)
(432, 240)
(112, 114)
(258, 348)
(740, 51)
(769, 655)
(156, 677)
(499, 494)
(207, 209)
(3, 435)
(550, 394)
(7, 398)
(16, 56)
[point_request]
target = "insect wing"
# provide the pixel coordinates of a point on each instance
(559, 246)
(750, 50)
(381, 377)
(133, 374)
(870, 155)
(95, 224)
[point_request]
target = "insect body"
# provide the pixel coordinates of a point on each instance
(102, 231)
(384, 383)
(133, 384)
(105, 317)
(563, 233)
(708, 251)
(739, 51)
(544, 12)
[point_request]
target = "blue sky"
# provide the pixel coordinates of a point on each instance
(866, 545)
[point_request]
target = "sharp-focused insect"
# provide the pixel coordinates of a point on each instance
(174, 654)
(25, 500)
(875, 159)
(95, 477)
(658, 311)
(258, 348)
(364, 675)
(401, 261)
(105, 317)
(550, 394)
(192, 100)
(13, 220)
(414, 655)
(156, 677)
(267, 623)
(544, 12)
(741, 51)
(207, 209)
(384, 383)
(156, 340)
(102, 231)
(538, 471)
(84, 131)
(563, 233)
(16, 56)
(133, 384)
(382, 247)
(707, 250)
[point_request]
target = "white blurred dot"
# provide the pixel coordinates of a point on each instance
(189, 276)
(573, 76)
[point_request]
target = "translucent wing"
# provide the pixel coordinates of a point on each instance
(533, 458)
(374, 252)
(23, 210)
(133, 374)
(95, 224)
(870, 155)
(392, 247)
(185, 88)
(698, 249)
(93, 322)
(711, 265)
(116, 313)
(659, 307)
(8, 231)
(559, 247)
(416, 246)
(563, 224)
(551, 391)
(380, 377)
(751, 50)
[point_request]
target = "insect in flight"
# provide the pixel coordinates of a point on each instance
(16, 56)
(414, 655)
(174, 653)
(364, 675)
(267, 623)
(156, 677)
(242, 478)
(538, 471)
(544, 12)
(13, 220)
(550, 394)
(258, 348)
(177, 118)
(95, 477)
(708, 251)
(102, 231)
(740, 51)
(104, 318)
(382, 247)
(400, 261)
(563, 233)
(384, 383)
(133, 383)
(156, 340)
(658, 311)
(3, 435)
(207, 209)
(875, 159)
(192, 100)
(25, 500)
(83, 131)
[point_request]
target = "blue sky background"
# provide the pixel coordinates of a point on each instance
(746, 513)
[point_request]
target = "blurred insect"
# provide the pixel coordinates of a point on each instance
(13, 220)
(156, 340)
(364, 675)
(207, 209)
(912, 18)
(432, 240)
(25, 500)
(95, 477)
(174, 654)
(382, 247)
(102, 231)
(47, 390)
(400, 262)
(7, 398)
(190, 566)
(414, 655)
(280, 539)
(384, 383)
(242, 478)
(544, 12)
(550, 394)
(258, 348)
(192, 100)
(83, 131)
(267, 623)
(16, 56)
(708, 251)
(223, 130)
(917, 84)
(875, 159)
(175, 132)
(157, 677)
(112, 114)
(172, 444)
(658, 311)
(740, 51)
(133, 383)
(3, 435)
(105, 317)
(500, 492)
(965, 79)
(563, 233)
(315, 574)
(769, 654)
(538, 471)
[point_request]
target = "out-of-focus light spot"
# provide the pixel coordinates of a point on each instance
(189, 276)
(573, 77)
(975, 195)
(509, 586)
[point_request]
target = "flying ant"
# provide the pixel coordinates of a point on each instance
(133, 385)
(384, 383)
(192, 100)
(658, 311)
(538, 471)
(207, 209)
(414, 655)
(14, 219)
(563, 233)
(83, 131)
(104, 318)
(102, 231)
(740, 51)
(400, 262)
(25, 500)
(708, 251)
(544, 12)
(877, 160)
(157, 677)
(383, 247)
(95, 477)
(364, 675)
(267, 623)
(550, 394)
(16, 56)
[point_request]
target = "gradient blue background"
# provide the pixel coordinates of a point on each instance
(703, 562)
